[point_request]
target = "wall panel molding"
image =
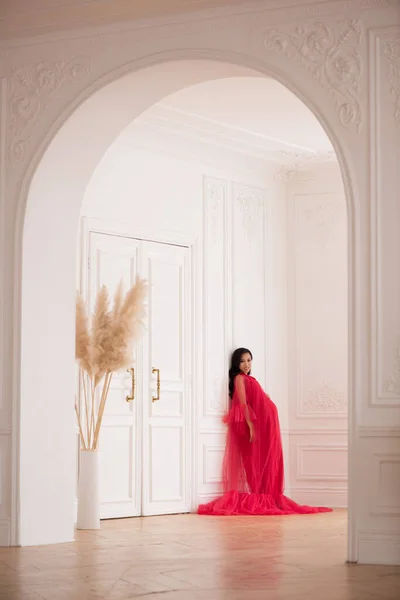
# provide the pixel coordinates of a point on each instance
(318, 309)
(252, 206)
(385, 499)
(315, 431)
(213, 430)
(5, 532)
(249, 312)
(215, 319)
(384, 45)
(382, 544)
(318, 229)
(318, 473)
(323, 400)
(5, 491)
(204, 497)
(212, 454)
(3, 151)
(391, 51)
(379, 432)
(334, 497)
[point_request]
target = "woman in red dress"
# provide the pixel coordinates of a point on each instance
(253, 461)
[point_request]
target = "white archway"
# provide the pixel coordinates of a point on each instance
(52, 192)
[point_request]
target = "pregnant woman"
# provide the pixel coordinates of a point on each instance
(253, 461)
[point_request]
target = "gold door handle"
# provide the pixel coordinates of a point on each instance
(132, 396)
(154, 371)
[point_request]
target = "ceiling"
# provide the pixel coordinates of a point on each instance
(21, 18)
(256, 116)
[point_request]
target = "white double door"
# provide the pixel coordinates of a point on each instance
(145, 442)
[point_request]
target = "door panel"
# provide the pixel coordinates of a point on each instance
(113, 258)
(116, 486)
(166, 443)
(167, 306)
(166, 449)
(145, 446)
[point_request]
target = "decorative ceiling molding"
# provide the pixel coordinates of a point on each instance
(260, 142)
(194, 150)
(304, 166)
(25, 18)
(162, 123)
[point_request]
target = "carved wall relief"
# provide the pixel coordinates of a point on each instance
(30, 89)
(332, 55)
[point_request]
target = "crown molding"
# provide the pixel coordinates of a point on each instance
(255, 143)
(195, 150)
(181, 133)
(22, 21)
(305, 168)
(44, 23)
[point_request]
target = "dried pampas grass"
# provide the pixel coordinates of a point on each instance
(105, 348)
(127, 324)
(102, 335)
(82, 338)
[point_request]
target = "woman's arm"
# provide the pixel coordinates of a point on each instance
(241, 392)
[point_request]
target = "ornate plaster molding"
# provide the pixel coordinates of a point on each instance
(301, 164)
(391, 51)
(392, 383)
(326, 399)
(30, 89)
(214, 191)
(331, 53)
(252, 205)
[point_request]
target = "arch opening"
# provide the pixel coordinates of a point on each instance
(52, 214)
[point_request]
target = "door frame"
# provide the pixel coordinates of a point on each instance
(89, 225)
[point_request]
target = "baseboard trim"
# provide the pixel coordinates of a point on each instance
(326, 496)
(378, 548)
(207, 497)
(5, 532)
(332, 497)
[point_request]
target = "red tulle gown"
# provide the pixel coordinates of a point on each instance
(253, 470)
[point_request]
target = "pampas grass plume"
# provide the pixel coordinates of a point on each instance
(107, 347)
(82, 336)
(127, 325)
(102, 335)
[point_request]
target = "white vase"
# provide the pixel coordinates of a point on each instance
(88, 490)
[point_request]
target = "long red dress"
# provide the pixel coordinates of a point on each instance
(253, 470)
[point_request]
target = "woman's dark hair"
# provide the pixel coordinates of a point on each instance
(235, 367)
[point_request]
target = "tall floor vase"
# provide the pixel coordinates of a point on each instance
(88, 490)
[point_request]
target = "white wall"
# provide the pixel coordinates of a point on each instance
(318, 336)
(238, 214)
(343, 61)
(262, 239)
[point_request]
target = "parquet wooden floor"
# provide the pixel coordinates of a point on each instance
(186, 557)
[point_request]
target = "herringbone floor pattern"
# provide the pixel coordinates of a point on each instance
(186, 557)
